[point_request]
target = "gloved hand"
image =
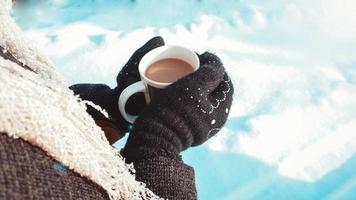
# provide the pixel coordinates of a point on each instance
(107, 98)
(185, 114)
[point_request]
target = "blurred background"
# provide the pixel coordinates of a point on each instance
(292, 128)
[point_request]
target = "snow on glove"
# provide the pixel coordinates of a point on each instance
(185, 114)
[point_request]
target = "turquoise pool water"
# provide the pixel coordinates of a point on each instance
(291, 133)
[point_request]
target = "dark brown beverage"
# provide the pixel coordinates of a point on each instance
(168, 70)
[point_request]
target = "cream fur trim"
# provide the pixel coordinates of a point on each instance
(39, 108)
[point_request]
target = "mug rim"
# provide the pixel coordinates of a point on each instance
(144, 63)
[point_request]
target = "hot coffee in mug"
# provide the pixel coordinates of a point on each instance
(168, 70)
(158, 69)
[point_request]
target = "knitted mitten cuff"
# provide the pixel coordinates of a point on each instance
(168, 178)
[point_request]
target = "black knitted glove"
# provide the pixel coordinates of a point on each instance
(186, 113)
(107, 98)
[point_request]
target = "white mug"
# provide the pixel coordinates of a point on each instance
(147, 85)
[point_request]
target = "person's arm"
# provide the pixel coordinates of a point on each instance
(185, 114)
(168, 178)
(156, 159)
(28, 172)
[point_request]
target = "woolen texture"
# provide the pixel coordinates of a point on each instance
(185, 114)
(168, 178)
(107, 98)
(8, 56)
(27, 172)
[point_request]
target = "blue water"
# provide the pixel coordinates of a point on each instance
(219, 175)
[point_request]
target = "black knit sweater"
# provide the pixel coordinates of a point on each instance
(27, 172)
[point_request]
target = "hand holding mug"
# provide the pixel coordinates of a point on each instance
(158, 69)
(116, 126)
(184, 114)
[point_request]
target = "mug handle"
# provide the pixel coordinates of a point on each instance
(125, 95)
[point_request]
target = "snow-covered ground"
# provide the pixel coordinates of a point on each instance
(292, 129)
